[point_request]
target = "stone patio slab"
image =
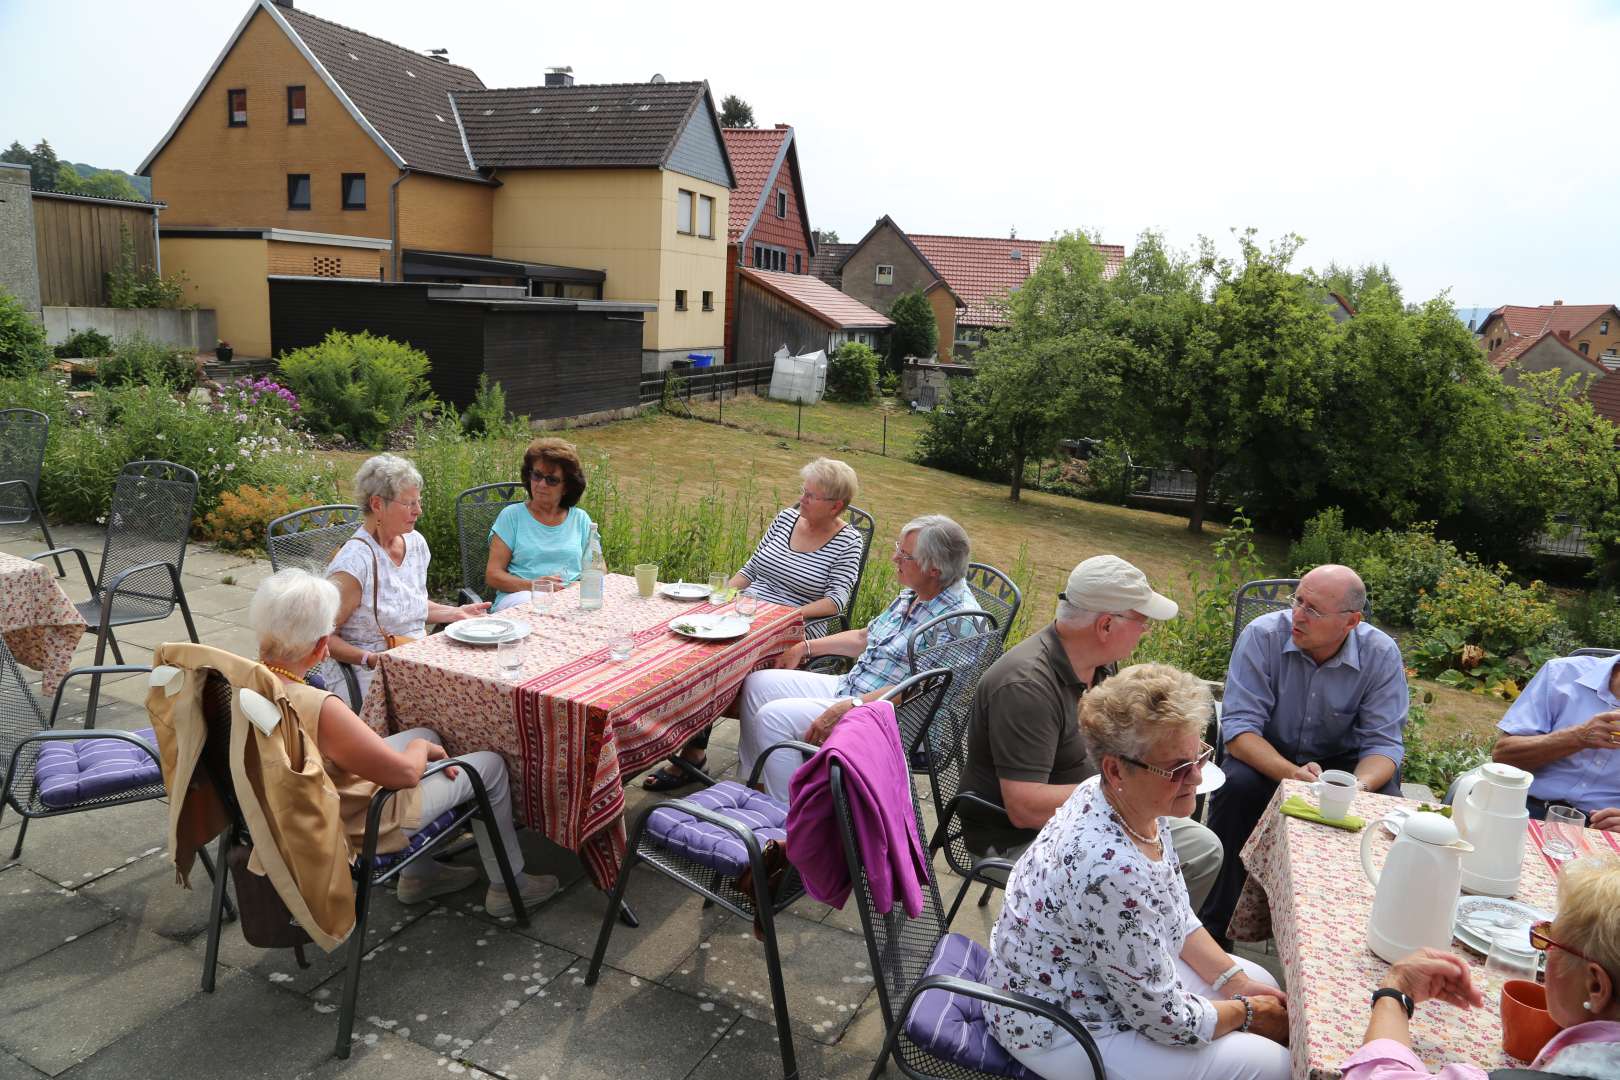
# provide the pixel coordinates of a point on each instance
(173, 628)
(145, 893)
(77, 848)
(390, 1058)
(751, 1049)
(12, 1069)
(214, 599)
(39, 917)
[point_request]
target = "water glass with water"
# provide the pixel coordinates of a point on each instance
(620, 648)
(510, 654)
(1511, 956)
(541, 592)
(1562, 836)
(747, 605)
(717, 587)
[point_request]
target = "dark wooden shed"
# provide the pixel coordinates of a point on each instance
(799, 311)
(554, 357)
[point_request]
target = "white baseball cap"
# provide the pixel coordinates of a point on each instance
(1109, 583)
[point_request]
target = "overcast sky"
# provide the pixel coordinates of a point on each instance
(1469, 145)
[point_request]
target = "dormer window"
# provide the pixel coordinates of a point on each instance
(297, 113)
(236, 106)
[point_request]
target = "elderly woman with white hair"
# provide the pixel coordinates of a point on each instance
(931, 560)
(292, 614)
(810, 559)
(381, 572)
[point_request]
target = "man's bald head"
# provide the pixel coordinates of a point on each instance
(1340, 583)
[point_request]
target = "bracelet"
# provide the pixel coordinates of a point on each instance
(1248, 1012)
(1226, 976)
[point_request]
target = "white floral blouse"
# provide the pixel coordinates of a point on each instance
(1091, 924)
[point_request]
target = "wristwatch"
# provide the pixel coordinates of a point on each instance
(854, 701)
(1391, 992)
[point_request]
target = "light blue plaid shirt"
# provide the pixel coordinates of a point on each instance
(884, 661)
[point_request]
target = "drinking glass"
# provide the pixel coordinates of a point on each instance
(620, 648)
(1562, 837)
(511, 656)
(717, 588)
(541, 593)
(646, 579)
(747, 605)
(1511, 956)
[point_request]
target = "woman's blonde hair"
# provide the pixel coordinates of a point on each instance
(1589, 909)
(835, 478)
(1128, 714)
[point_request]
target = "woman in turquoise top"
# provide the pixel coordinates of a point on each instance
(544, 538)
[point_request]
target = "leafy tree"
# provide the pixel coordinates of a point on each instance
(22, 340)
(827, 236)
(736, 113)
(43, 166)
(915, 333)
(104, 184)
(1367, 287)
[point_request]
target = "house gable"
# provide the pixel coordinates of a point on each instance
(698, 151)
(1512, 329)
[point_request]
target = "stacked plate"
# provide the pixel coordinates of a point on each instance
(492, 630)
(685, 590)
(1481, 918)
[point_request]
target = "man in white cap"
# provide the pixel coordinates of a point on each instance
(1025, 750)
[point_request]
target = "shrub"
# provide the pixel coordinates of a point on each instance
(1199, 640)
(1398, 566)
(889, 384)
(487, 415)
(84, 343)
(238, 522)
(916, 331)
(1481, 632)
(22, 340)
(261, 396)
(358, 386)
(131, 286)
(852, 374)
(1437, 761)
(139, 361)
(1594, 619)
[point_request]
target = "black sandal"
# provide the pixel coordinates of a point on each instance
(673, 777)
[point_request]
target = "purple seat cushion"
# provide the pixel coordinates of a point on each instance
(714, 845)
(71, 772)
(419, 840)
(953, 1027)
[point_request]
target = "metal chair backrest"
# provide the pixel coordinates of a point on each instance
(20, 714)
(1594, 651)
(864, 524)
(23, 433)
(310, 539)
(149, 521)
(1256, 598)
(917, 700)
(965, 643)
(996, 593)
(476, 511)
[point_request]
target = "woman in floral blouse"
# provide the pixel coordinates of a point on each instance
(1097, 920)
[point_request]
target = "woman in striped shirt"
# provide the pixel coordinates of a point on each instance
(809, 558)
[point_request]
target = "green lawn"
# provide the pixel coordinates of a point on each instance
(887, 427)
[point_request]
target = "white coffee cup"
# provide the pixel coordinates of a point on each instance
(1334, 791)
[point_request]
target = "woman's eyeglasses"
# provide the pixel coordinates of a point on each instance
(548, 479)
(1180, 773)
(1540, 941)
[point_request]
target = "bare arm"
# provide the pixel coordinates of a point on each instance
(1254, 751)
(1530, 752)
(447, 613)
(1374, 771)
(495, 570)
(348, 599)
(349, 744)
(1030, 804)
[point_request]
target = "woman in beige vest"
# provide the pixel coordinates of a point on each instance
(293, 614)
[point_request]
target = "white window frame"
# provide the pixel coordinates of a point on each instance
(685, 210)
(705, 218)
(883, 274)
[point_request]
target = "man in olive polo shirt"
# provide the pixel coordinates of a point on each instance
(1025, 750)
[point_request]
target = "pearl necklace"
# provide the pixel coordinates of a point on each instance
(1154, 841)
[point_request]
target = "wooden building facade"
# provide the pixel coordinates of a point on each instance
(799, 311)
(78, 241)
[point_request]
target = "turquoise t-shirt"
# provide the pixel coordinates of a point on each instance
(543, 549)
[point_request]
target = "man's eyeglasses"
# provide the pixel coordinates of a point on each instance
(1178, 774)
(549, 479)
(1131, 616)
(1540, 940)
(1311, 612)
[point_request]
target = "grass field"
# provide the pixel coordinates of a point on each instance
(885, 428)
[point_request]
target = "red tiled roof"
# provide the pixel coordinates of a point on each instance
(1524, 326)
(982, 269)
(754, 153)
(1604, 394)
(838, 310)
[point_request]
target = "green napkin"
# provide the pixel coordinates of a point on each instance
(1294, 806)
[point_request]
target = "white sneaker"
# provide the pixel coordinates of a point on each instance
(442, 882)
(534, 888)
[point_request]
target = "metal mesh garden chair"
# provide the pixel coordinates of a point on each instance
(832, 624)
(310, 540)
(476, 511)
(929, 994)
(996, 593)
(23, 433)
(369, 869)
(1594, 651)
(148, 525)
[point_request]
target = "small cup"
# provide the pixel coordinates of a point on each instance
(1526, 1024)
(646, 579)
(620, 648)
(510, 654)
(1511, 956)
(1563, 838)
(1334, 790)
(540, 595)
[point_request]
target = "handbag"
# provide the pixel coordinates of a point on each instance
(391, 641)
(265, 920)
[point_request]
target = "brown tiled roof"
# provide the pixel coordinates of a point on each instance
(603, 125)
(1521, 327)
(836, 309)
(982, 270)
(1604, 394)
(828, 258)
(402, 94)
(755, 153)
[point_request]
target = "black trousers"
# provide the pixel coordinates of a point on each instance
(1233, 812)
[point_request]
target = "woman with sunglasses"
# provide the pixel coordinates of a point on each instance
(543, 538)
(1097, 920)
(1583, 953)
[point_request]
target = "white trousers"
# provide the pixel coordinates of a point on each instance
(776, 705)
(441, 793)
(1130, 1055)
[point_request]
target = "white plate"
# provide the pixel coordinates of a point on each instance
(1213, 777)
(685, 590)
(710, 627)
(1480, 918)
(470, 632)
(1393, 820)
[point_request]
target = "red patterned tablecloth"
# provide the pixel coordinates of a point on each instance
(40, 624)
(1307, 889)
(572, 724)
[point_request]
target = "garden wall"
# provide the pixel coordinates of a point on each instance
(197, 329)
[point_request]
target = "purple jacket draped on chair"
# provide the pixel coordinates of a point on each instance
(877, 783)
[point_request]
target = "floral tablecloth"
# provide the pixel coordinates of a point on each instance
(1306, 888)
(40, 624)
(572, 724)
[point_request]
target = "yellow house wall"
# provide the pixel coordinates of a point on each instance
(1597, 342)
(228, 276)
(695, 264)
(323, 260)
(436, 214)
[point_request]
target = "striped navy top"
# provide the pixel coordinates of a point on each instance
(796, 578)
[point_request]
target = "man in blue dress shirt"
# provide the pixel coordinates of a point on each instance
(1565, 728)
(1308, 688)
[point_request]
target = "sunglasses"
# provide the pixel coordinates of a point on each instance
(1179, 774)
(548, 479)
(1540, 941)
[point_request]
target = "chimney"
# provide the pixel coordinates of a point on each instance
(284, 3)
(441, 55)
(560, 76)
(783, 127)
(1558, 303)
(1563, 335)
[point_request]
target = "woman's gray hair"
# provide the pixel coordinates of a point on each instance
(942, 546)
(384, 477)
(835, 478)
(1129, 714)
(290, 612)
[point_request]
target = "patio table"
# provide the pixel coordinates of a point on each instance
(40, 624)
(1307, 889)
(573, 724)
